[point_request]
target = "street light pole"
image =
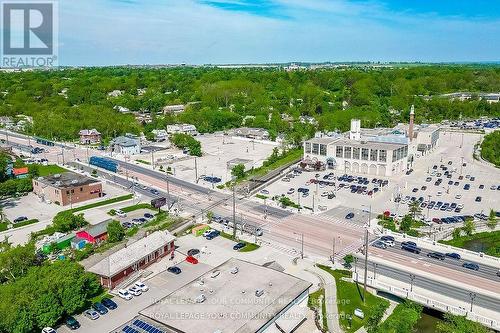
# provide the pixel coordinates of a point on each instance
(412, 277)
(301, 244)
(234, 212)
(472, 297)
(366, 265)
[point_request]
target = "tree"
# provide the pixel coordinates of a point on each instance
(238, 171)
(414, 208)
(348, 260)
(116, 232)
(210, 216)
(16, 261)
(492, 220)
(374, 317)
(66, 221)
(406, 223)
(469, 226)
(456, 233)
(459, 324)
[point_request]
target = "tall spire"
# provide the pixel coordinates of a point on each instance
(410, 127)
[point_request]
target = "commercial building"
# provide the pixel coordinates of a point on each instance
(160, 135)
(182, 128)
(130, 260)
(366, 152)
(89, 136)
(234, 297)
(127, 144)
(67, 188)
(251, 133)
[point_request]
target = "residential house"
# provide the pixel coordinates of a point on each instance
(96, 233)
(89, 136)
(175, 109)
(127, 144)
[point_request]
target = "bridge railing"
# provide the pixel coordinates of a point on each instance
(428, 302)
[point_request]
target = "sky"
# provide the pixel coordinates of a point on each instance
(141, 32)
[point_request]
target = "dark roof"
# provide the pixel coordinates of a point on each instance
(66, 180)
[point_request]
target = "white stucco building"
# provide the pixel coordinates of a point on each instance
(375, 152)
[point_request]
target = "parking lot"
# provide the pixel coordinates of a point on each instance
(451, 161)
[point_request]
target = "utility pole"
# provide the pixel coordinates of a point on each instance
(301, 244)
(366, 265)
(153, 158)
(333, 251)
(265, 209)
(461, 165)
(168, 194)
(472, 297)
(234, 212)
(195, 170)
(62, 153)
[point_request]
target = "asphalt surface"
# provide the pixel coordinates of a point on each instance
(437, 287)
(487, 272)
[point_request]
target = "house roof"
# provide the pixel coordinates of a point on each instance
(20, 171)
(124, 258)
(99, 229)
(89, 132)
(125, 141)
(66, 180)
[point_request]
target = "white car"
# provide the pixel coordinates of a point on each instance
(234, 270)
(387, 242)
(120, 213)
(291, 191)
(135, 291)
(48, 330)
(439, 193)
(208, 232)
(458, 196)
(141, 286)
(125, 294)
(460, 206)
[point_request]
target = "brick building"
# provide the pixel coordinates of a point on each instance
(67, 188)
(122, 264)
(89, 136)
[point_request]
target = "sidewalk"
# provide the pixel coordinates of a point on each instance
(328, 282)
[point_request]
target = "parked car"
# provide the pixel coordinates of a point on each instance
(48, 330)
(193, 252)
(110, 304)
(453, 255)
(290, 191)
(213, 234)
(72, 323)
(125, 294)
(175, 270)
(91, 314)
(148, 216)
(349, 216)
(436, 255)
(141, 286)
(20, 219)
(135, 291)
(120, 213)
(410, 243)
(100, 308)
(471, 265)
(478, 199)
(239, 246)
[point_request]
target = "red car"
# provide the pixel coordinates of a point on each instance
(192, 260)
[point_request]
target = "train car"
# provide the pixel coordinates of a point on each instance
(104, 163)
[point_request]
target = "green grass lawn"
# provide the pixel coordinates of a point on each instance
(22, 224)
(3, 226)
(133, 208)
(349, 298)
(314, 303)
(248, 248)
(45, 170)
(103, 203)
(487, 242)
(402, 319)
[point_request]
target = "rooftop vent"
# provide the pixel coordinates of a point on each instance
(74, 181)
(57, 175)
(259, 292)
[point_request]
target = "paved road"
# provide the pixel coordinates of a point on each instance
(487, 272)
(447, 290)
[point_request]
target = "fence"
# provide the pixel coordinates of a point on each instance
(430, 303)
